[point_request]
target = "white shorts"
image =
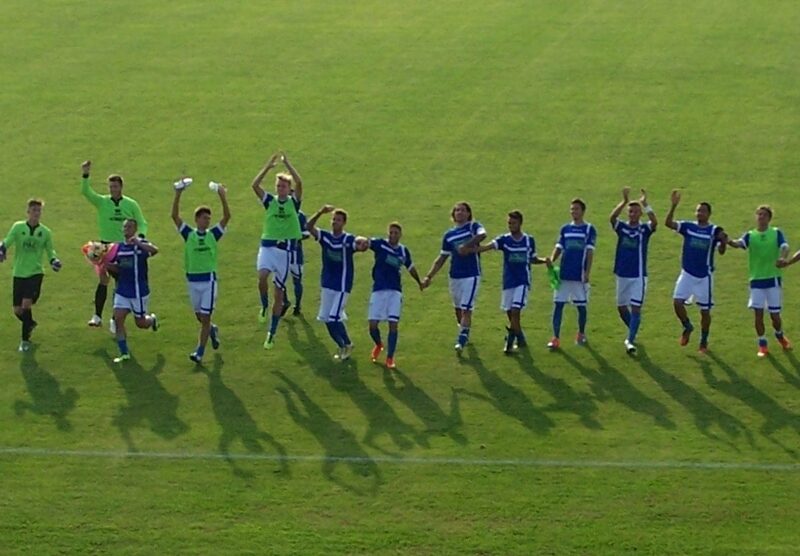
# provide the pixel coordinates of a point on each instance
(514, 298)
(385, 305)
(203, 296)
(296, 270)
(631, 291)
(139, 306)
(701, 289)
(276, 261)
(464, 291)
(572, 290)
(331, 305)
(766, 298)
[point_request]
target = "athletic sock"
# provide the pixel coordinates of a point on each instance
(762, 341)
(343, 333)
(392, 343)
(375, 334)
(582, 316)
(123, 346)
(779, 334)
(633, 327)
(510, 335)
(100, 296)
(463, 336)
(333, 331)
(298, 291)
(687, 325)
(704, 338)
(200, 351)
(27, 324)
(558, 314)
(264, 301)
(273, 327)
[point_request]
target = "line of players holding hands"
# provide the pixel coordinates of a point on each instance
(123, 252)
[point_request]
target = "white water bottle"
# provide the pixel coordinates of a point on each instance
(182, 183)
(214, 186)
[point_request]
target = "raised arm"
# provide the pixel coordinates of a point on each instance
(145, 246)
(176, 208)
(91, 195)
(226, 209)
(651, 215)
(298, 182)
(256, 185)
(675, 199)
(311, 225)
(626, 191)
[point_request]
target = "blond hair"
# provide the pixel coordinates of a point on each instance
(285, 176)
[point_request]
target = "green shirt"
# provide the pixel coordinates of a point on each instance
(30, 243)
(111, 214)
(200, 252)
(281, 219)
(763, 250)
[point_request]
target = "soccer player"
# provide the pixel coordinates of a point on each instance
(576, 242)
(386, 300)
(519, 252)
(767, 252)
(30, 239)
(337, 275)
(112, 210)
(132, 294)
(465, 267)
(296, 261)
(700, 239)
(280, 231)
(630, 261)
(200, 260)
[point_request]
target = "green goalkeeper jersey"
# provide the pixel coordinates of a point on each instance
(112, 214)
(29, 243)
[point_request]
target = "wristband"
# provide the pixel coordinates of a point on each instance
(648, 209)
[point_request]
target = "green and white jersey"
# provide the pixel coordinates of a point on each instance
(200, 252)
(112, 214)
(763, 250)
(29, 244)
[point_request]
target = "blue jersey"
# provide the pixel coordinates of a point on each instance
(337, 261)
(699, 243)
(630, 260)
(517, 257)
(575, 241)
(389, 262)
(462, 266)
(132, 278)
(296, 253)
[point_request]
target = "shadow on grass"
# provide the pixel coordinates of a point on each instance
(46, 396)
(704, 413)
(340, 445)
(149, 403)
(788, 376)
(608, 381)
(237, 423)
(436, 421)
(506, 398)
(736, 386)
(343, 377)
(566, 398)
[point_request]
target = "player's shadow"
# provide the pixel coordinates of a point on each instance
(566, 398)
(788, 376)
(504, 397)
(606, 380)
(704, 413)
(237, 423)
(343, 377)
(149, 404)
(45, 391)
(794, 361)
(340, 445)
(433, 417)
(776, 417)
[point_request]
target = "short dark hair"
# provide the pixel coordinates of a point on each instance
(35, 203)
(766, 208)
(463, 204)
(135, 223)
(635, 204)
(516, 215)
(199, 211)
(578, 201)
(707, 205)
(116, 178)
(396, 225)
(341, 212)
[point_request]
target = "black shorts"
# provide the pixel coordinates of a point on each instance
(27, 288)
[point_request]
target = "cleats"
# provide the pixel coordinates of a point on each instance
(763, 351)
(95, 321)
(703, 349)
(580, 339)
(269, 343)
(554, 344)
(346, 352)
(154, 320)
(390, 364)
(262, 315)
(296, 312)
(630, 348)
(24, 346)
(214, 336)
(195, 357)
(122, 358)
(459, 348)
(685, 335)
(785, 343)
(112, 326)
(376, 351)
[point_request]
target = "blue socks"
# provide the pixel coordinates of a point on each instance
(273, 327)
(704, 338)
(298, 291)
(264, 301)
(558, 314)
(333, 331)
(200, 351)
(633, 327)
(582, 314)
(375, 334)
(626, 317)
(463, 336)
(123, 346)
(343, 334)
(392, 343)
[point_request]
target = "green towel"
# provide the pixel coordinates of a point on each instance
(553, 274)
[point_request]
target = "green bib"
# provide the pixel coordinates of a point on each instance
(281, 221)
(200, 253)
(763, 250)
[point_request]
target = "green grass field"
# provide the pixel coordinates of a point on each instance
(396, 111)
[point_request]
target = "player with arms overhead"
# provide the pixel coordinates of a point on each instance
(30, 240)
(701, 239)
(112, 210)
(200, 262)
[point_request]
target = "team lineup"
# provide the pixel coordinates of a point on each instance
(123, 251)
